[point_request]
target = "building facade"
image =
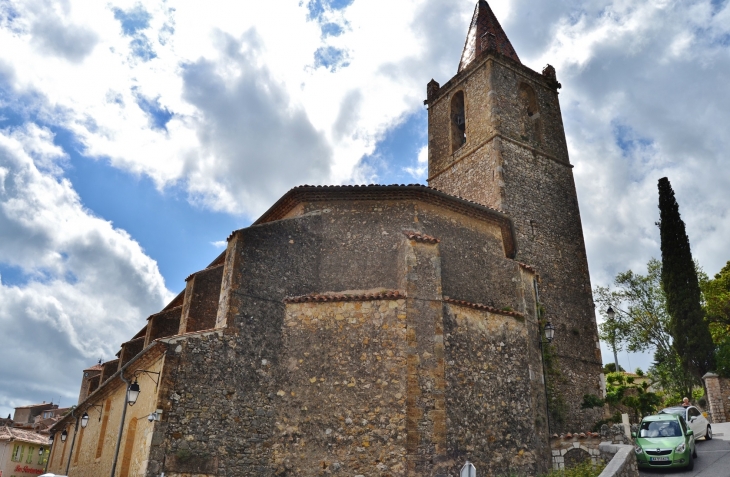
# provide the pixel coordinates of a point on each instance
(375, 330)
(22, 452)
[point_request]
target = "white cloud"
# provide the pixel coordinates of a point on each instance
(421, 170)
(276, 116)
(84, 286)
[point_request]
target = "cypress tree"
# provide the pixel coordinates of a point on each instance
(690, 332)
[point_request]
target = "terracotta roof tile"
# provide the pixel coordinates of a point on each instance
(386, 295)
(479, 306)
(527, 267)
(34, 405)
(7, 433)
(419, 237)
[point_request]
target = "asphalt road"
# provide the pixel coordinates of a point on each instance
(713, 457)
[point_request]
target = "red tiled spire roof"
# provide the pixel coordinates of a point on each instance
(485, 33)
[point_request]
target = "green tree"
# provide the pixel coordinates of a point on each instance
(641, 323)
(641, 320)
(691, 337)
(716, 294)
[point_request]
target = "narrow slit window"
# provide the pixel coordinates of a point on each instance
(531, 124)
(458, 121)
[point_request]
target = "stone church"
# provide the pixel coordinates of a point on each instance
(375, 330)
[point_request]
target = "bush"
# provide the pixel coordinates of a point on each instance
(585, 469)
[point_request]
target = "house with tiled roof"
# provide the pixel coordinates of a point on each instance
(22, 452)
(375, 330)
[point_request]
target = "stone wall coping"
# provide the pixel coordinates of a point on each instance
(317, 298)
(163, 311)
(710, 375)
(621, 453)
(479, 306)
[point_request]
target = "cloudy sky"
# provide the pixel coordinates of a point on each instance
(134, 137)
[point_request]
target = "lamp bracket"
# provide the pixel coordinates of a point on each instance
(148, 374)
(99, 408)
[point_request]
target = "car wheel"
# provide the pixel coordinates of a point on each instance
(694, 452)
(691, 463)
(708, 433)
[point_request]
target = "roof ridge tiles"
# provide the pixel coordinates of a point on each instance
(420, 237)
(338, 297)
(527, 267)
(480, 306)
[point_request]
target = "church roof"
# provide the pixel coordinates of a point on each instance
(485, 33)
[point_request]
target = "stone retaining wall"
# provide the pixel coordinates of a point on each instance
(571, 449)
(621, 460)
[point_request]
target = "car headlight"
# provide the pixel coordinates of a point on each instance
(681, 448)
(638, 449)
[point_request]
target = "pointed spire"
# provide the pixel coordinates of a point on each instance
(485, 33)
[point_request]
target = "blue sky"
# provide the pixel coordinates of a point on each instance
(135, 136)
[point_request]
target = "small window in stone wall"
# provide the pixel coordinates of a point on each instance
(530, 115)
(458, 121)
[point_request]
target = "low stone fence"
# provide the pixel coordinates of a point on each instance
(573, 448)
(621, 460)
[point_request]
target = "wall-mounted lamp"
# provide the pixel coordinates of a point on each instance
(53, 436)
(133, 393)
(41, 450)
(133, 389)
(549, 332)
(84, 420)
(64, 435)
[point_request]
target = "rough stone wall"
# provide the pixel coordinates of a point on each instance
(202, 292)
(718, 395)
(492, 408)
(572, 448)
(165, 323)
(343, 405)
(529, 177)
(130, 349)
(265, 364)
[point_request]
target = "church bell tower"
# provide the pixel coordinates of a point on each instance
(496, 137)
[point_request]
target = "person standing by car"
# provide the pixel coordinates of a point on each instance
(685, 402)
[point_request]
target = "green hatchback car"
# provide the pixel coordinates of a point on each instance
(664, 441)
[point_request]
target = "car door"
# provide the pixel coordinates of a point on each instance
(695, 421)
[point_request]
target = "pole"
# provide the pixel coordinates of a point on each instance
(121, 425)
(544, 383)
(73, 441)
(613, 345)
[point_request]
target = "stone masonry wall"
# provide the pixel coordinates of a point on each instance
(299, 388)
(718, 397)
(491, 407)
(343, 405)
